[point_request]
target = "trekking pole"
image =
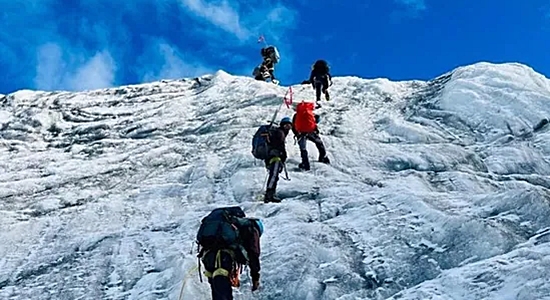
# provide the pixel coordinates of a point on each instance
(286, 172)
(275, 114)
(264, 187)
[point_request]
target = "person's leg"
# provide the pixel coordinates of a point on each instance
(316, 139)
(318, 89)
(325, 87)
(302, 143)
(221, 285)
(275, 167)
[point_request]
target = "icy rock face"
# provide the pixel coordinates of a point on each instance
(436, 190)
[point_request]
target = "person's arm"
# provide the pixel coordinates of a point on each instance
(278, 142)
(253, 251)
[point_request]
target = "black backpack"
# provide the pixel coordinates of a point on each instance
(260, 141)
(220, 228)
(321, 66)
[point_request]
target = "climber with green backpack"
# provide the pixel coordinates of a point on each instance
(228, 240)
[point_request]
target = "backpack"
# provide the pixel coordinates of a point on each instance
(260, 141)
(272, 53)
(304, 121)
(321, 66)
(220, 228)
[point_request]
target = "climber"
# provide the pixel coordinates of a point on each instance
(320, 79)
(271, 57)
(229, 240)
(304, 127)
(276, 158)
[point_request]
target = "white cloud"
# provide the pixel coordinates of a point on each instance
(281, 15)
(412, 9)
(245, 22)
(277, 21)
(172, 64)
(98, 72)
(221, 15)
(50, 67)
(58, 70)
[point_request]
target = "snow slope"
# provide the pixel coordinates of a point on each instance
(437, 190)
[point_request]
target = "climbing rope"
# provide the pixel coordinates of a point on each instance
(185, 280)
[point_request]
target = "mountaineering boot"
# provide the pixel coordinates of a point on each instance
(270, 196)
(305, 161)
(324, 160)
(318, 105)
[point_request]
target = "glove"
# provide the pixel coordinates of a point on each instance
(255, 284)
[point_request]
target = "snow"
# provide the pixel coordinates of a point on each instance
(437, 189)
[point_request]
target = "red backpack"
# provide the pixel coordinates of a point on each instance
(305, 120)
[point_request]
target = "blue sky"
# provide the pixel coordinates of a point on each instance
(88, 44)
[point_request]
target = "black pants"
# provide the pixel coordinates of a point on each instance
(274, 168)
(320, 84)
(302, 143)
(220, 285)
(269, 67)
(262, 70)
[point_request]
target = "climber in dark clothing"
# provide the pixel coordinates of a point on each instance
(265, 70)
(302, 143)
(223, 267)
(320, 79)
(276, 158)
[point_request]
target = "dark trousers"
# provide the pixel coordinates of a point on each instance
(221, 285)
(268, 67)
(302, 143)
(320, 84)
(275, 167)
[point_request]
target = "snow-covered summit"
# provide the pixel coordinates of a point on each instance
(437, 190)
